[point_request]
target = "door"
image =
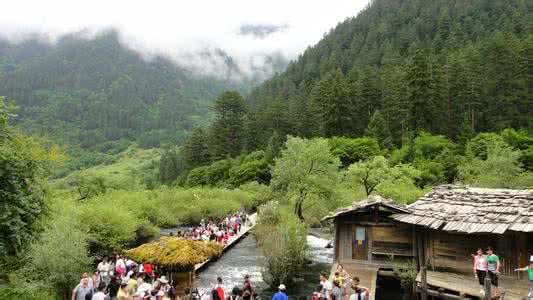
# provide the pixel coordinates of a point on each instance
(360, 243)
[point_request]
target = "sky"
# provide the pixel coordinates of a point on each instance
(245, 29)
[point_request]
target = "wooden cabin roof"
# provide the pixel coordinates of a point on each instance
(372, 200)
(472, 210)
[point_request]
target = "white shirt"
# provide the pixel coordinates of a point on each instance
(103, 268)
(326, 285)
(354, 296)
(99, 296)
(120, 264)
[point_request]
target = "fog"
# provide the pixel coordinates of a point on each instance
(250, 32)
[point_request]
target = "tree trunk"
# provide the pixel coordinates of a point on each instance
(298, 206)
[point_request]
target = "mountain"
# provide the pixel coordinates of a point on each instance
(91, 92)
(446, 67)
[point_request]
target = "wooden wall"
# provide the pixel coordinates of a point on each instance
(384, 237)
(453, 251)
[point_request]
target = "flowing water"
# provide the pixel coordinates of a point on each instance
(245, 258)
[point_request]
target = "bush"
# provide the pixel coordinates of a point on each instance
(284, 246)
(351, 150)
(55, 261)
(253, 167)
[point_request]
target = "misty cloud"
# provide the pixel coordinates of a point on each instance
(261, 31)
(249, 32)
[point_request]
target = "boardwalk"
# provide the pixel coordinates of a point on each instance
(232, 241)
(515, 289)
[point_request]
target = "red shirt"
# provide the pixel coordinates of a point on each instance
(220, 292)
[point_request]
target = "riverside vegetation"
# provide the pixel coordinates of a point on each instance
(404, 96)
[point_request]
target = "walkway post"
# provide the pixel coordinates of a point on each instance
(487, 286)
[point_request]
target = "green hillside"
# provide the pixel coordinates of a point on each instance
(445, 67)
(95, 92)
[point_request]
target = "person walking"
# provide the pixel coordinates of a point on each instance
(529, 270)
(493, 269)
(360, 292)
(326, 286)
(104, 268)
(82, 291)
(281, 294)
(480, 268)
(100, 293)
(337, 292)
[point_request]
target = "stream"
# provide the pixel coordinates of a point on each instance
(245, 258)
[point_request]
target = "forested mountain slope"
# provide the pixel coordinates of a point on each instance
(446, 67)
(92, 92)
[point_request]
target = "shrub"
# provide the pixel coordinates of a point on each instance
(284, 246)
(55, 261)
(351, 150)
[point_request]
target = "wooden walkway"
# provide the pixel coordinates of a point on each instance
(367, 274)
(515, 289)
(251, 221)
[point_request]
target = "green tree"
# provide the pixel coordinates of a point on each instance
(500, 169)
(55, 260)
(195, 149)
(22, 170)
(379, 129)
(227, 133)
(305, 167)
(350, 150)
(370, 173)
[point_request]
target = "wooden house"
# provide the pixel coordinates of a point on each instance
(366, 234)
(453, 221)
(440, 230)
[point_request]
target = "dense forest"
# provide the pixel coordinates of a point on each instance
(445, 67)
(97, 96)
(399, 70)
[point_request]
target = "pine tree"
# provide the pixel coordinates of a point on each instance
(195, 149)
(379, 129)
(421, 103)
(227, 133)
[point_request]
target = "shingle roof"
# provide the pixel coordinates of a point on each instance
(472, 210)
(370, 201)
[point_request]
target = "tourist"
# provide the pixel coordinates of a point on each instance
(360, 292)
(235, 293)
(82, 291)
(113, 287)
(103, 268)
(337, 291)
(100, 293)
(120, 266)
(148, 269)
(480, 268)
(123, 293)
(281, 295)
(85, 277)
(248, 292)
(146, 286)
(326, 286)
(132, 284)
(529, 270)
(217, 292)
(317, 293)
(493, 268)
(163, 284)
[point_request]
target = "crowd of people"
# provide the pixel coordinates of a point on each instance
(121, 278)
(220, 232)
(340, 287)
